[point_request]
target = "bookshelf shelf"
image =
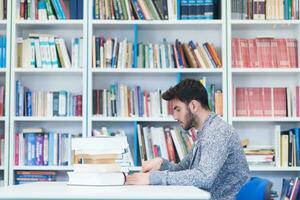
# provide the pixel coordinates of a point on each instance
(253, 71)
(265, 119)
(48, 22)
(167, 71)
(274, 169)
(41, 119)
(46, 168)
(48, 71)
(2, 167)
(259, 22)
(131, 119)
(3, 22)
(157, 22)
(3, 70)
(3, 118)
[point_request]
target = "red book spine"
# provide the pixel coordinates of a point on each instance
(17, 146)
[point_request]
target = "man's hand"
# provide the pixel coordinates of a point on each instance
(152, 165)
(138, 179)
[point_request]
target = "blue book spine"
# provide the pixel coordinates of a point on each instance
(296, 131)
(28, 103)
(79, 9)
(56, 8)
(61, 9)
(18, 84)
(1, 52)
(31, 149)
(138, 9)
(73, 9)
(4, 52)
(50, 149)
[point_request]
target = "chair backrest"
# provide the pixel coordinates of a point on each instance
(256, 188)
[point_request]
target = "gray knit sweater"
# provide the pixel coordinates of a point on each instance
(216, 162)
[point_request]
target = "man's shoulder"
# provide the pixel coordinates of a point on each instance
(220, 126)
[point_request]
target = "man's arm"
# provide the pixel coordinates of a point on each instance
(182, 165)
(214, 152)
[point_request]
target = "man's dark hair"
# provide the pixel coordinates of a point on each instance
(186, 91)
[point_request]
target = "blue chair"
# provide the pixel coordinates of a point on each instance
(255, 189)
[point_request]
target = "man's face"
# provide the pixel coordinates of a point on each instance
(183, 114)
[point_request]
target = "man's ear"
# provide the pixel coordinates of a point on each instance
(194, 106)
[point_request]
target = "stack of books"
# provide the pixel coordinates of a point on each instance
(100, 161)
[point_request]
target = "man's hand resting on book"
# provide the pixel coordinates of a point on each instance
(138, 179)
(152, 165)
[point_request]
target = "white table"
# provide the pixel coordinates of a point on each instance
(60, 190)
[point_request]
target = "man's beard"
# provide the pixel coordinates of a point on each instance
(191, 121)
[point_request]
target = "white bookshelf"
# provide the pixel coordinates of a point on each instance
(73, 80)
(151, 79)
(219, 32)
(5, 27)
(260, 130)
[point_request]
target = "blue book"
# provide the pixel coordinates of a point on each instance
(73, 9)
(4, 52)
(50, 148)
(1, 52)
(28, 103)
(31, 148)
(56, 8)
(296, 131)
(80, 9)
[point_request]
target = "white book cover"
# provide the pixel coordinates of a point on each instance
(81, 60)
(100, 143)
(64, 51)
(26, 53)
(38, 53)
(124, 53)
(119, 55)
(47, 52)
(75, 52)
(53, 54)
(62, 105)
(277, 138)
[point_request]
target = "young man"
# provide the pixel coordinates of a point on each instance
(216, 162)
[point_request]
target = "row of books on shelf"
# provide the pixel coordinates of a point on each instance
(199, 9)
(265, 52)
(36, 147)
(290, 189)
(284, 153)
(135, 9)
(45, 51)
(167, 142)
(123, 101)
(264, 9)
(266, 102)
(49, 9)
(111, 53)
(23, 177)
(46, 103)
(288, 148)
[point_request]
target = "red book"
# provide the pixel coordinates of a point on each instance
(282, 53)
(17, 146)
(267, 101)
(245, 58)
(170, 145)
(292, 52)
(280, 104)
